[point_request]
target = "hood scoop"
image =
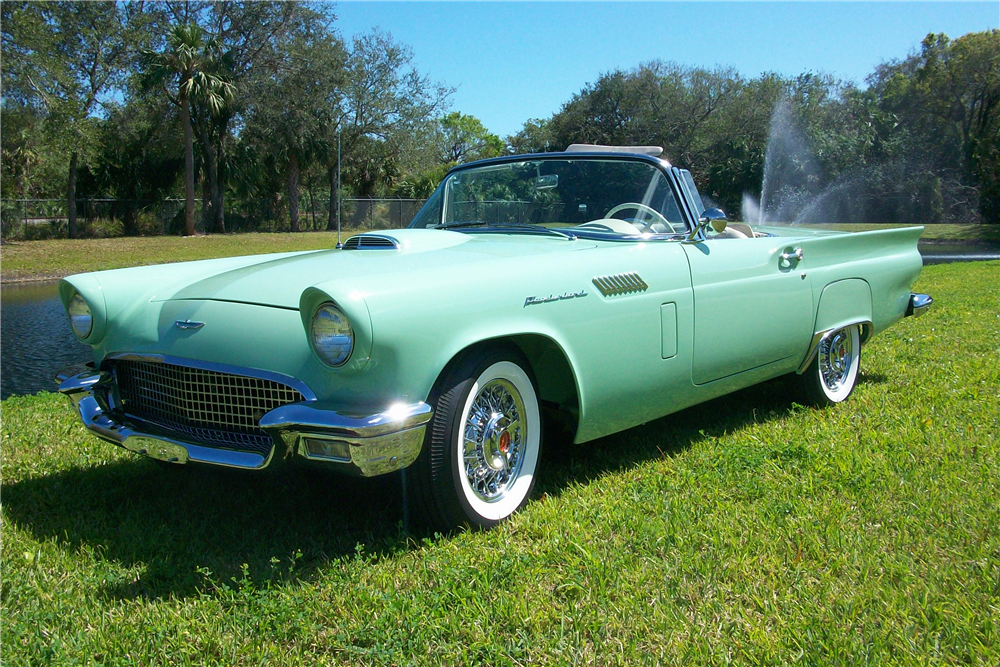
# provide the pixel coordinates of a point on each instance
(371, 242)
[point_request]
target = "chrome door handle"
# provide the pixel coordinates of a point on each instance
(789, 256)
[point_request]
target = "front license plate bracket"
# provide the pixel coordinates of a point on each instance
(155, 448)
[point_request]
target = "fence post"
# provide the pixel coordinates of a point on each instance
(25, 219)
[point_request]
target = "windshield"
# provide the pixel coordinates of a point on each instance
(618, 197)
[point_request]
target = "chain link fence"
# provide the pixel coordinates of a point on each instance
(30, 219)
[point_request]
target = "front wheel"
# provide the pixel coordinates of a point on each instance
(482, 449)
(833, 373)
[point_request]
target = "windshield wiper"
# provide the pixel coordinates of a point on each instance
(507, 227)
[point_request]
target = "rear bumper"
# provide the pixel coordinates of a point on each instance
(358, 444)
(918, 305)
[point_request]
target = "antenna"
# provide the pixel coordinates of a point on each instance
(339, 244)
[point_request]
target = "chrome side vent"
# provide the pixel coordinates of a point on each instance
(371, 242)
(620, 283)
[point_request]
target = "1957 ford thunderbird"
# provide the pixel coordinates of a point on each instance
(593, 285)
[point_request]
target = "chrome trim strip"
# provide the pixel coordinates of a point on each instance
(321, 418)
(820, 335)
(298, 385)
(377, 444)
(918, 304)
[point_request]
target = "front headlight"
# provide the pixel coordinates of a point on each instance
(80, 317)
(331, 335)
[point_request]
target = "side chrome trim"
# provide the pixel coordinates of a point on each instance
(918, 305)
(281, 378)
(820, 335)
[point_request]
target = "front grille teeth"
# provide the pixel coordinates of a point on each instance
(202, 406)
(620, 283)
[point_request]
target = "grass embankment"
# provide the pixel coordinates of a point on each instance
(748, 529)
(42, 260)
(57, 258)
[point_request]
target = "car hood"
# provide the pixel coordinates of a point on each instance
(279, 280)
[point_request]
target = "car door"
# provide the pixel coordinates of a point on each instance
(753, 305)
(752, 299)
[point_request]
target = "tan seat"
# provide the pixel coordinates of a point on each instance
(736, 230)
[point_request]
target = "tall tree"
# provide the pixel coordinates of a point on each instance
(464, 138)
(291, 110)
(183, 71)
(384, 105)
(68, 58)
(946, 100)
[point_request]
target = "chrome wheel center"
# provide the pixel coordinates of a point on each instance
(494, 438)
(835, 355)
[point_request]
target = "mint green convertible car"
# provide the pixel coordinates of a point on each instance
(591, 285)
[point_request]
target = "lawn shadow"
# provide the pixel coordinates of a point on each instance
(187, 530)
(191, 528)
(867, 377)
(669, 436)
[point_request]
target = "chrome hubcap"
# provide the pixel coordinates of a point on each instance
(494, 437)
(835, 359)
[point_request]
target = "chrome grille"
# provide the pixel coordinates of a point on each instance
(201, 406)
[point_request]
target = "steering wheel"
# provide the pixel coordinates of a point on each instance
(658, 217)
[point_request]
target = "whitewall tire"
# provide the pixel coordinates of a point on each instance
(482, 449)
(833, 373)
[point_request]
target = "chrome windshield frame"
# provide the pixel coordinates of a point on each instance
(665, 168)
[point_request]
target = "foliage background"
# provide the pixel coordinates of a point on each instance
(94, 95)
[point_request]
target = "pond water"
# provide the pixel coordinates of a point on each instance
(36, 341)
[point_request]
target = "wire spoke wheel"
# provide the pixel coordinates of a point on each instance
(835, 359)
(481, 456)
(831, 376)
(494, 439)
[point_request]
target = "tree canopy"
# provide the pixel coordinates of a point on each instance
(254, 102)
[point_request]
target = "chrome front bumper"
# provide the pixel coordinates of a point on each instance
(918, 305)
(365, 445)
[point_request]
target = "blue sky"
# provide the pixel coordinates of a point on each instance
(511, 61)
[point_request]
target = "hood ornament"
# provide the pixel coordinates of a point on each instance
(188, 324)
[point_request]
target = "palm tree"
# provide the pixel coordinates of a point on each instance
(184, 71)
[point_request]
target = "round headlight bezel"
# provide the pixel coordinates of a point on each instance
(331, 312)
(83, 313)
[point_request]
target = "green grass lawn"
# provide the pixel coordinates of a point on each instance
(40, 260)
(748, 530)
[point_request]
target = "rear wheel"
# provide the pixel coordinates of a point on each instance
(833, 373)
(482, 449)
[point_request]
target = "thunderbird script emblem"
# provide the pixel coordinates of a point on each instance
(532, 300)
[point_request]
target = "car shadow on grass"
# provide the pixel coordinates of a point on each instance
(178, 532)
(185, 531)
(567, 463)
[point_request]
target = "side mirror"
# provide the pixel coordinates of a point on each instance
(713, 217)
